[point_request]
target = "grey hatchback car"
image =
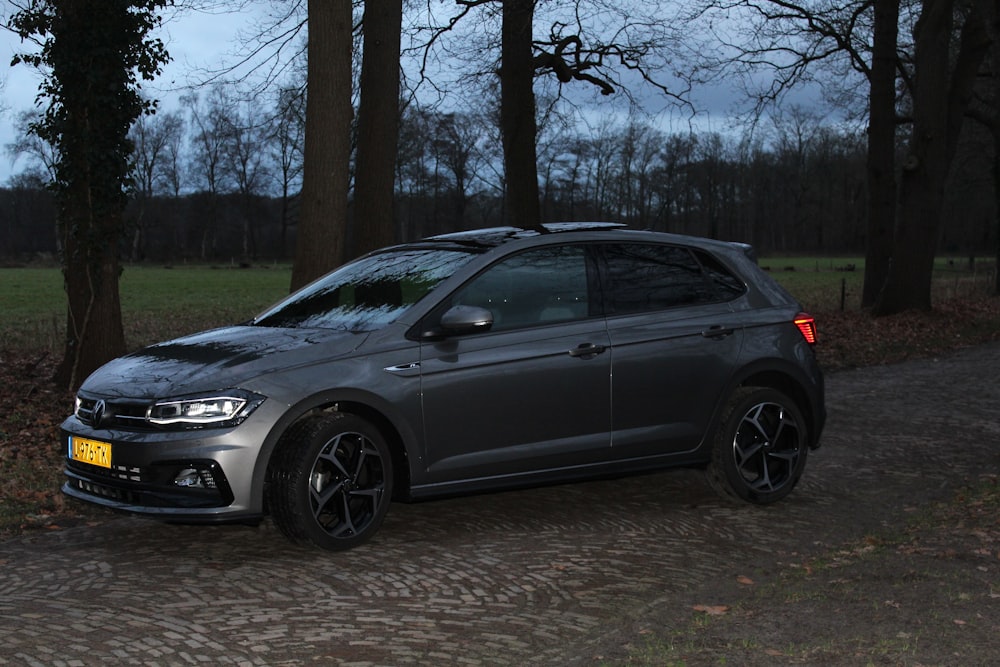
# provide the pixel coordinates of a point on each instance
(461, 363)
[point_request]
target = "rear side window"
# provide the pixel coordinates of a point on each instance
(650, 277)
(726, 284)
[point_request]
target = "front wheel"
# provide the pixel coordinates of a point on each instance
(330, 482)
(759, 450)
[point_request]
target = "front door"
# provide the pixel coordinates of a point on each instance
(533, 393)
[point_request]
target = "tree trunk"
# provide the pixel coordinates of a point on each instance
(378, 127)
(517, 115)
(943, 89)
(94, 332)
(322, 224)
(91, 173)
(881, 151)
(996, 197)
(994, 126)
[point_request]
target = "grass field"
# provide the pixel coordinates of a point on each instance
(160, 303)
(157, 303)
(820, 282)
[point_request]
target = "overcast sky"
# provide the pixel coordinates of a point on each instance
(194, 40)
(199, 41)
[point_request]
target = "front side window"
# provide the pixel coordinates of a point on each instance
(539, 286)
(650, 277)
(367, 294)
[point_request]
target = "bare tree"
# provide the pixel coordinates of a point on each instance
(881, 163)
(4, 106)
(151, 140)
(456, 138)
(609, 46)
(937, 71)
(985, 109)
(209, 119)
(172, 172)
(946, 60)
(517, 115)
(412, 169)
(286, 147)
(245, 160)
(41, 153)
(378, 126)
(322, 226)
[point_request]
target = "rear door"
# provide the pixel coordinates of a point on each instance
(675, 342)
(534, 392)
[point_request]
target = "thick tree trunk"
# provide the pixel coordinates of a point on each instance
(942, 93)
(994, 125)
(378, 127)
(322, 227)
(881, 151)
(91, 174)
(94, 332)
(996, 197)
(517, 115)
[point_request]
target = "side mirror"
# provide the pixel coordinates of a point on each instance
(465, 320)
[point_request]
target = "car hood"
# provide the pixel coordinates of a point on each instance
(217, 359)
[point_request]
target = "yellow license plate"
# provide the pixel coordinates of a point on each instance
(93, 452)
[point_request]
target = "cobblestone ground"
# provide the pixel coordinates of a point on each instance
(549, 576)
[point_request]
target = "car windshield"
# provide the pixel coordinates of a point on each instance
(366, 294)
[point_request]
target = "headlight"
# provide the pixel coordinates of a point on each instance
(227, 408)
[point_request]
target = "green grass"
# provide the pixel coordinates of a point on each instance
(160, 303)
(818, 282)
(157, 303)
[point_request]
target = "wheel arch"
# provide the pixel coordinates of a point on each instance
(398, 436)
(791, 381)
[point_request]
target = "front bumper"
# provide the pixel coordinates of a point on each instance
(198, 476)
(153, 488)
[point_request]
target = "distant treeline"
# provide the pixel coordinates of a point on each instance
(799, 187)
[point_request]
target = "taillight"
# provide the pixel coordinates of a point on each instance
(807, 326)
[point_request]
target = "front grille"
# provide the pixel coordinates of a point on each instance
(101, 413)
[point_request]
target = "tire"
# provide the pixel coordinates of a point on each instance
(330, 481)
(759, 450)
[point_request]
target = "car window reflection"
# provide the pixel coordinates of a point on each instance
(540, 286)
(367, 294)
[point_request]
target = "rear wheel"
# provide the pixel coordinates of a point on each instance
(760, 449)
(330, 482)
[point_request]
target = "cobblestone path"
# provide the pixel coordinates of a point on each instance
(548, 576)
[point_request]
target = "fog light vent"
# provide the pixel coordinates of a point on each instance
(198, 477)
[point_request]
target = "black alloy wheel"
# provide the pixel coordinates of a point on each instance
(760, 449)
(331, 481)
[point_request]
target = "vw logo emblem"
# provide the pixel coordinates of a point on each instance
(98, 415)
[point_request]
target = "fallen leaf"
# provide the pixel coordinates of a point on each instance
(746, 581)
(712, 610)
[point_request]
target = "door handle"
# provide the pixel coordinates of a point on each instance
(717, 331)
(586, 351)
